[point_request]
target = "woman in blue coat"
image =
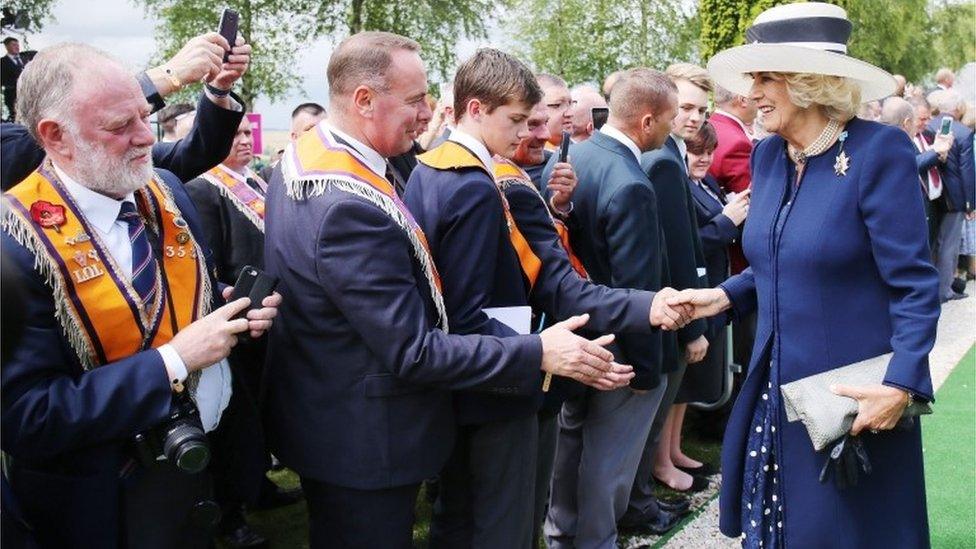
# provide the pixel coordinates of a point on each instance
(840, 272)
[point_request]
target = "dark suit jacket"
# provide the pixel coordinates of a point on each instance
(565, 293)
(234, 240)
(207, 144)
(10, 72)
(359, 380)
(68, 431)
(617, 237)
(717, 232)
(665, 168)
(959, 174)
(462, 215)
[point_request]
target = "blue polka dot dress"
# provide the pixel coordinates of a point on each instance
(762, 504)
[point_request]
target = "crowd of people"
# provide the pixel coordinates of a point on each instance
(509, 294)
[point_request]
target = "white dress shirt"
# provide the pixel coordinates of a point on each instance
(373, 159)
(477, 147)
(614, 133)
(102, 212)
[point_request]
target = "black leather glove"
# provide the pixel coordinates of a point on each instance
(847, 459)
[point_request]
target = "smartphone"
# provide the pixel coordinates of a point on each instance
(564, 147)
(946, 126)
(228, 28)
(255, 284)
(600, 115)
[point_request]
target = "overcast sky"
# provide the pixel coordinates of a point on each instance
(124, 29)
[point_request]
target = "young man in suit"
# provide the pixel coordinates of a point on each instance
(117, 291)
(11, 65)
(617, 237)
(559, 102)
(359, 401)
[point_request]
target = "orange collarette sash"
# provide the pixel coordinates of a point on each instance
(451, 156)
(507, 173)
(98, 309)
(247, 201)
(318, 162)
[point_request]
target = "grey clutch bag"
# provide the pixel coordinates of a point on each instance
(827, 416)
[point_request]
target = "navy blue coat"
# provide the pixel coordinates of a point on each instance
(959, 172)
(70, 431)
(207, 144)
(717, 233)
(849, 278)
(358, 376)
(665, 168)
(616, 234)
(461, 213)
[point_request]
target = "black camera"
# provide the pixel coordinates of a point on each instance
(180, 439)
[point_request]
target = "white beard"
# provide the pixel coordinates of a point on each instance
(110, 175)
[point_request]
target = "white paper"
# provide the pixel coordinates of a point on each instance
(702, 272)
(516, 318)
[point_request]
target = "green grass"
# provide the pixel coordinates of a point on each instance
(949, 436)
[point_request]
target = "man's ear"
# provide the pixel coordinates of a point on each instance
(53, 137)
(474, 109)
(362, 101)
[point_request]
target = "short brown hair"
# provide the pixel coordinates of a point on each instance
(636, 89)
(495, 78)
(692, 73)
(365, 58)
(705, 140)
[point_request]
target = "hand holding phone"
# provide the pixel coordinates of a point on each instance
(228, 28)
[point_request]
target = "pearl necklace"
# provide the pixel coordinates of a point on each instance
(819, 145)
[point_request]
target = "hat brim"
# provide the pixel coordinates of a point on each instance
(731, 68)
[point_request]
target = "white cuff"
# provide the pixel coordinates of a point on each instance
(175, 367)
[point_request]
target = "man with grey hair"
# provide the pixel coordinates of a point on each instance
(618, 239)
(125, 329)
(945, 78)
(932, 154)
(960, 186)
(585, 98)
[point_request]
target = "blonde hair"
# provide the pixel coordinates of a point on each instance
(692, 73)
(837, 97)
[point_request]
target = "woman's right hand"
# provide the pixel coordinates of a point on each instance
(738, 208)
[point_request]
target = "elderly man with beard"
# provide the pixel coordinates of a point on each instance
(124, 323)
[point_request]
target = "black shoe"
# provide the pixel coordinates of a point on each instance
(658, 525)
(703, 470)
(244, 536)
(956, 296)
(680, 507)
(278, 497)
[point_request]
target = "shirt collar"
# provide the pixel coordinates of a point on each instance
(374, 160)
(461, 137)
(100, 210)
(620, 136)
(738, 121)
(680, 143)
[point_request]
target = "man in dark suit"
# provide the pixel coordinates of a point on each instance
(303, 118)
(217, 113)
(487, 485)
(117, 291)
(358, 387)
(11, 65)
(960, 186)
(618, 239)
(230, 201)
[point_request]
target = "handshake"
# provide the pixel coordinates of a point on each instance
(589, 362)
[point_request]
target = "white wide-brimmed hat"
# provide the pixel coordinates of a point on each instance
(808, 37)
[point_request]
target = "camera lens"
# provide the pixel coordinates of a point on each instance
(186, 446)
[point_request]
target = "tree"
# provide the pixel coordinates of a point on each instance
(952, 34)
(724, 22)
(892, 34)
(585, 40)
(26, 15)
(279, 29)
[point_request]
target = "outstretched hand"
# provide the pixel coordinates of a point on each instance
(569, 355)
(667, 316)
(704, 303)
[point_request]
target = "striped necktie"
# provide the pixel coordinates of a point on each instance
(144, 279)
